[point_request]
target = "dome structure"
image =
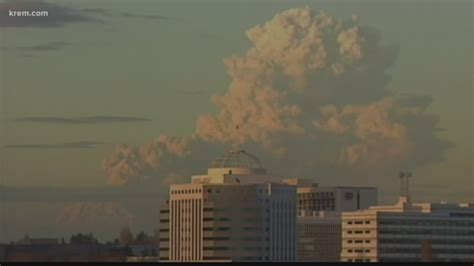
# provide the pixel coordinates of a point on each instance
(237, 159)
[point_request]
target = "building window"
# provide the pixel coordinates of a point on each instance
(349, 232)
(367, 222)
(209, 190)
(367, 241)
(367, 232)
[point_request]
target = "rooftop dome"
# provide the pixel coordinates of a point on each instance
(237, 159)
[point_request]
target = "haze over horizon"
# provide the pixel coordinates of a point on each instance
(105, 105)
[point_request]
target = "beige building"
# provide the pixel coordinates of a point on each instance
(319, 217)
(233, 213)
(407, 232)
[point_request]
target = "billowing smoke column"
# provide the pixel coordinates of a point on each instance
(312, 91)
(131, 164)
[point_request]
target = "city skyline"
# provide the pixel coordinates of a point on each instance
(106, 105)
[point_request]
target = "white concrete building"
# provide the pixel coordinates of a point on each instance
(409, 232)
(233, 213)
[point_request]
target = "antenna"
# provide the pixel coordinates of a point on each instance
(237, 144)
(405, 184)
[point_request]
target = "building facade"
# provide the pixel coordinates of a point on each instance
(234, 213)
(312, 198)
(319, 217)
(319, 237)
(409, 232)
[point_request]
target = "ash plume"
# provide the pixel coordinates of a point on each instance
(129, 164)
(312, 91)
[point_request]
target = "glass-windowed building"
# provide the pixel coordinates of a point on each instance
(319, 217)
(407, 232)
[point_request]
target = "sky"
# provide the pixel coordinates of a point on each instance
(95, 74)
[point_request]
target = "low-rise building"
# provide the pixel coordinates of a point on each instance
(409, 232)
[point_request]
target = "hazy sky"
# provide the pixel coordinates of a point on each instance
(159, 62)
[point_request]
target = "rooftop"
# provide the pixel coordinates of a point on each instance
(405, 206)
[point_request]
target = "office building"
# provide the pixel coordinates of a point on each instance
(312, 198)
(319, 237)
(407, 232)
(235, 212)
(319, 217)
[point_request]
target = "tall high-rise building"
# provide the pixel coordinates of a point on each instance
(236, 212)
(409, 232)
(319, 217)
